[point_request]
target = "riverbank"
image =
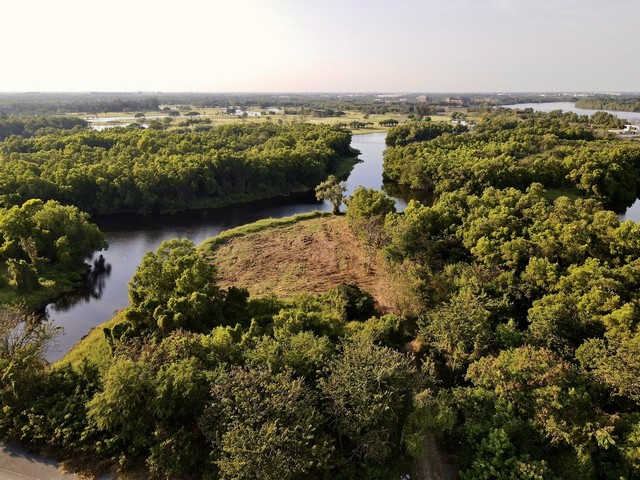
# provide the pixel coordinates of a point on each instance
(131, 236)
(309, 253)
(53, 286)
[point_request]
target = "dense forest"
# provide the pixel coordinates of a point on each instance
(518, 351)
(527, 328)
(132, 170)
(507, 149)
(30, 125)
(624, 104)
(203, 382)
(520, 356)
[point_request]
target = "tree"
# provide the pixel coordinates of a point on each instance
(460, 329)
(389, 122)
(368, 202)
(59, 233)
(366, 213)
(332, 190)
(547, 394)
(174, 288)
(369, 393)
(23, 342)
(150, 401)
(264, 426)
(496, 459)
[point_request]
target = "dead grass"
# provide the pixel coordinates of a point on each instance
(310, 256)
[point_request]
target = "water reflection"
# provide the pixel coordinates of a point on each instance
(407, 194)
(131, 236)
(93, 287)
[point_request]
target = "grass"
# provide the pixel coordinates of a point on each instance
(291, 257)
(344, 166)
(552, 194)
(259, 226)
(93, 347)
(217, 118)
(53, 285)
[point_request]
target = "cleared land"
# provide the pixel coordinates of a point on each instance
(309, 256)
(306, 253)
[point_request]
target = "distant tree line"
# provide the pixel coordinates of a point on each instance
(625, 104)
(28, 126)
(419, 131)
(37, 103)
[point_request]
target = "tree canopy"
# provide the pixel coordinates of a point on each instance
(144, 170)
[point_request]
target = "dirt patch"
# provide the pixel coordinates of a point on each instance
(434, 465)
(310, 256)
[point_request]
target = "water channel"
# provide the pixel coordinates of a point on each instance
(131, 236)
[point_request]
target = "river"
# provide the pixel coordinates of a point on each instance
(131, 236)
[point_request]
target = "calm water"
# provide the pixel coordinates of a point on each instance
(633, 117)
(131, 236)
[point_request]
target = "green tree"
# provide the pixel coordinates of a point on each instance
(23, 342)
(149, 403)
(366, 213)
(461, 329)
(368, 392)
(332, 190)
(264, 426)
(497, 459)
(173, 288)
(549, 395)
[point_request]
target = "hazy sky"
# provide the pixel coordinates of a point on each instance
(322, 45)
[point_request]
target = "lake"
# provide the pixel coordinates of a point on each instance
(131, 236)
(632, 117)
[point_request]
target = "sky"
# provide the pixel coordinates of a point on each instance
(320, 46)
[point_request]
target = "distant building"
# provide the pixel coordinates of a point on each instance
(460, 101)
(463, 122)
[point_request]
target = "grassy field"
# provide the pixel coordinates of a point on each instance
(218, 117)
(259, 226)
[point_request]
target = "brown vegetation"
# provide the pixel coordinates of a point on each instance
(311, 256)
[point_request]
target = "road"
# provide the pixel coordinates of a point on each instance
(16, 463)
